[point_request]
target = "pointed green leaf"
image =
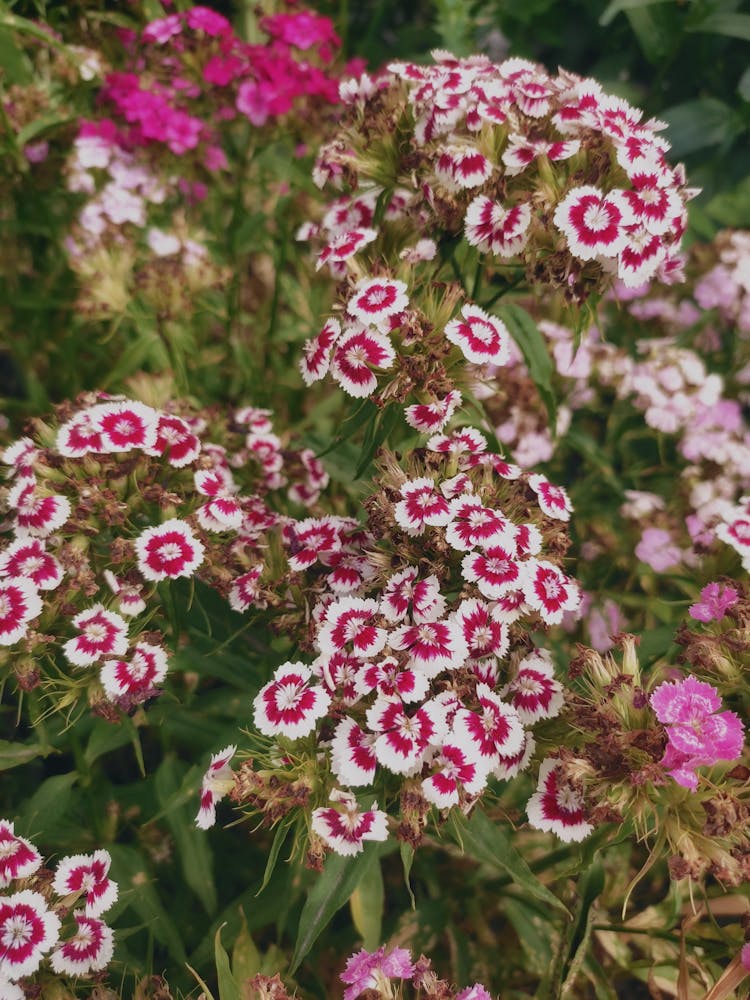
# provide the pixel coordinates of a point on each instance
(533, 346)
(367, 907)
(228, 988)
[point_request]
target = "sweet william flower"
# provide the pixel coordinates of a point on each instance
(89, 950)
(18, 856)
(217, 782)
(289, 705)
(372, 970)
(20, 604)
(168, 550)
(354, 357)
(715, 600)
(494, 229)
(103, 633)
(28, 557)
(346, 828)
(556, 806)
(376, 300)
(87, 874)
(483, 339)
(28, 929)
(594, 222)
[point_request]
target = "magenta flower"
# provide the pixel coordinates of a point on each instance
(715, 601)
(367, 970)
(698, 734)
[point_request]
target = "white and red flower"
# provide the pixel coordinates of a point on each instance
(594, 222)
(553, 500)
(521, 151)
(404, 594)
(453, 768)
(245, 589)
(484, 631)
(345, 245)
(89, 950)
(21, 456)
(557, 806)
(168, 551)
(355, 355)
(316, 352)
(28, 929)
(510, 766)
(534, 692)
(103, 633)
(289, 705)
(217, 782)
(175, 439)
(345, 829)
(313, 539)
(38, 514)
(421, 506)
(19, 604)
(473, 524)
(737, 534)
(389, 678)
(491, 732)
(79, 435)
(223, 512)
(404, 739)
(125, 425)
(466, 442)
(339, 672)
(641, 257)
(353, 759)
(89, 874)
(483, 339)
(549, 591)
(28, 557)
(494, 229)
(18, 856)
(430, 418)
(496, 571)
(138, 677)
(349, 625)
(376, 301)
(432, 646)
(464, 167)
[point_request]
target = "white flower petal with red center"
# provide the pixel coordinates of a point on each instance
(79, 436)
(640, 258)
(89, 950)
(496, 571)
(511, 606)
(217, 782)
(353, 760)
(168, 551)
(483, 339)
(737, 534)
(221, 514)
(27, 931)
(349, 624)
(354, 357)
(474, 524)
(388, 678)
(103, 633)
(421, 506)
(460, 167)
(432, 646)
(456, 486)
(594, 222)
(21, 455)
(289, 705)
(490, 732)
(493, 229)
(339, 672)
(483, 630)
(432, 417)
(549, 591)
(486, 670)
(654, 203)
(27, 557)
(398, 593)
(312, 539)
(18, 856)
(346, 214)
(346, 829)
(37, 514)
(464, 441)
(527, 539)
(316, 352)
(175, 439)
(553, 500)
(245, 590)
(455, 768)
(375, 300)
(126, 425)
(557, 807)
(19, 604)
(405, 739)
(138, 677)
(87, 874)
(344, 246)
(511, 766)
(214, 482)
(534, 692)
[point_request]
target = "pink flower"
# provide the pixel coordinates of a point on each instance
(657, 549)
(495, 731)
(28, 929)
(715, 601)
(316, 356)
(161, 30)
(534, 692)
(289, 705)
(594, 222)
(89, 874)
(556, 806)
(553, 500)
(168, 551)
(549, 591)
(18, 856)
(497, 230)
(207, 20)
(253, 100)
(353, 759)
(369, 970)
(217, 781)
(483, 339)
(376, 300)
(27, 557)
(354, 357)
(103, 633)
(89, 950)
(346, 829)
(135, 680)
(19, 604)
(421, 506)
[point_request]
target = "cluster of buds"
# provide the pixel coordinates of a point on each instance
(425, 682)
(42, 910)
(117, 501)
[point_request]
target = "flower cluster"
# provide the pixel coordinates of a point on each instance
(41, 915)
(116, 501)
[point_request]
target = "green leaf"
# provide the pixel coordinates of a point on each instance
(618, 6)
(13, 754)
(407, 860)
(246, 959)
(39, 125)
(700, 124)
(743, 86)
(724, 23)
(273, 855)
(490, 844)
(48, 804)
(13, 59)
(367, 907)
(533, 346)
(228, 988)
(377, 434)
(332, 888)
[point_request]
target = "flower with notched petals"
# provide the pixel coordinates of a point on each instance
(493, 229)
(138, 677)
(549, 591)
(527, 539)
(125, 425)
(641, 257)
(375, 301)
(737, 534)
(484, 631)
(404, 739)
(289, 705)
(521, 151)
(18, 856)
(349, 624)
(354, 357)
(553, 500)
(534, 692)
(103, 633)
(175, 440)
(37, 513)
(594, 222)
(89, 950)
(21, 455)
(473, 524)
(27, 557)
(403, 594)
(493, 731)
(557, 806)
(353, 760)
(346, 829)
(483, 339)
(312, 539)
(496, 571)
(339, 672)
(245, 590)
(454, 767)
(79, 436)
(349, 571)
(466, 442)
(19, 604)
(89, 874)
(510, 766)
(372, 970)
(430, 418)
(421, 506)
(216, 783)
(28, 929)
(389, 678)
(168, 551)
(460, 167)
(345, 245)
(432, 646)
(316, 352)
